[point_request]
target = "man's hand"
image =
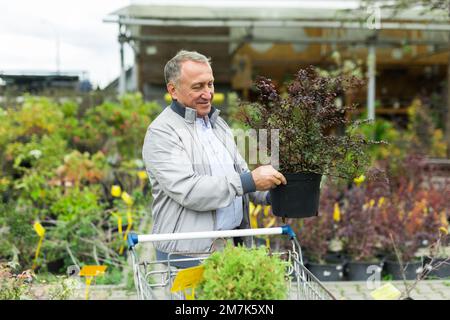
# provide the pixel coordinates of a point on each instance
(266, 177)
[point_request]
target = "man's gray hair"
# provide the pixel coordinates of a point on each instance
(172, 70)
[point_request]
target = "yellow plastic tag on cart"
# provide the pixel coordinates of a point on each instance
(40, 230)
(386, 292)
(92, 271)
(187, 278)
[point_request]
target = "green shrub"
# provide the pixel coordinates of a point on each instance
(239, 273)
(17, 237)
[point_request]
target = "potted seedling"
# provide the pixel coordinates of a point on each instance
(240, 273)
(307, 119)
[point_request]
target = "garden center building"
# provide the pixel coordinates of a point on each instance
(276, 38)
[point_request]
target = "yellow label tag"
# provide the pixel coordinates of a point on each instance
(251, 207)
(187, 278)
(127, 198)
(116, 191)
(40, 230)
(336, 213)
(253, 222)
(386, 292)
(119, 224)
(142, 175)
(270, 223)
(92, 271)
(257, 210)
(129, 222)
(267, 210)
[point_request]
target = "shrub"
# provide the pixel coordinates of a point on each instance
(240, 273)
(306, 119)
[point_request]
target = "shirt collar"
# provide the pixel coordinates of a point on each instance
(190, 114)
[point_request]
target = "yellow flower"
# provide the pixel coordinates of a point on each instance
(336, 213)
(443, 230)
(127, 198)
(116, 191)
(142, 175)
(380, 202)
(371, 203)
(359, 180)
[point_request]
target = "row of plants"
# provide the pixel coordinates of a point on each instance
(375, 223)
(370, 227)
(58, 167)
(399, 206)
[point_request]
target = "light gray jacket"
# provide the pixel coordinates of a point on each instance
(185, 195)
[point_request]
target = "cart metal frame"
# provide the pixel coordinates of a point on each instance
(307, 286)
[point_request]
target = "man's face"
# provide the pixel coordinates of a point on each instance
(195, 87)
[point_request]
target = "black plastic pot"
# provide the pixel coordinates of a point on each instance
(336, 257)
(326, 272)
(412, 269)
(361, 271)
(299, 198)
(56, 266)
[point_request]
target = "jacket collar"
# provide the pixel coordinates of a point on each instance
(190, 114)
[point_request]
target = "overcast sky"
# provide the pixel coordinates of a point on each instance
(29, 30)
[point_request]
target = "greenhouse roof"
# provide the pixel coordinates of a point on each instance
(331, 14)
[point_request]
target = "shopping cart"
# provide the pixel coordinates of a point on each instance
(153, 278)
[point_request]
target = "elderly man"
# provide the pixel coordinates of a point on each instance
(199, 181)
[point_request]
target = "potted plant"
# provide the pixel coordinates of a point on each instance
(240, 273)
(359, 233)
(404, 224)
(308, 146)
(316, 235)
(411, 217)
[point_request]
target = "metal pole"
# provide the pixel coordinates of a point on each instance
(122, 88)
(371, 63)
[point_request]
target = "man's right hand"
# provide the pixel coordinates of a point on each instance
(266, 177)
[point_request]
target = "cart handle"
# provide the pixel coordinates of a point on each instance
(134, 239)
